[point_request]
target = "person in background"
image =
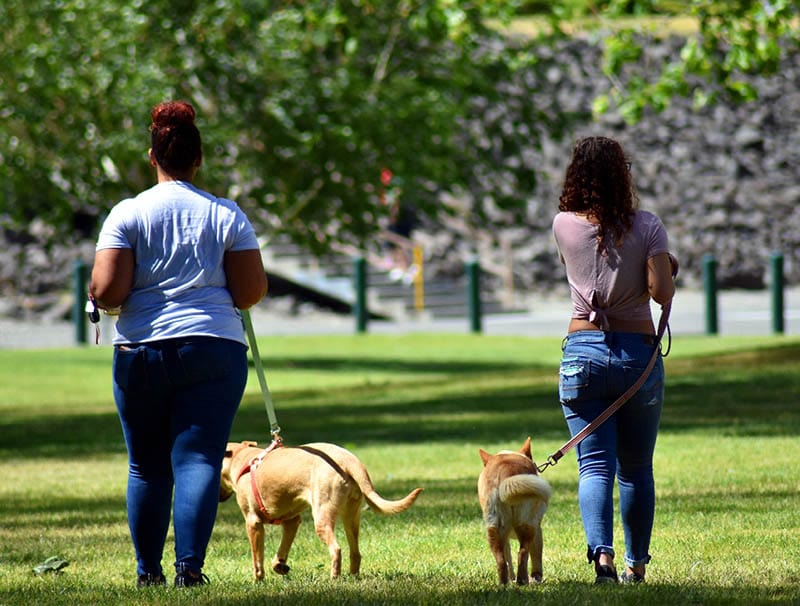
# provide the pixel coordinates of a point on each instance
(617, 259)
(401, 223)
(177, 262)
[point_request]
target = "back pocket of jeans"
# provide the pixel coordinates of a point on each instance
(201, 361)
(130, 369)
(573, 379)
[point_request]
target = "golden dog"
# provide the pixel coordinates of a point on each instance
(275, 486)
(513, 498)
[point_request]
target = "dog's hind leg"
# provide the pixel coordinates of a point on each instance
(325, 525)
(536, 554)
(500, 551)
(288, 533)
(351, 520)
(526, 535)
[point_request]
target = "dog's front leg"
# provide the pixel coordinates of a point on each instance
(499, 547)
(507, 555)
(288, 533)
(255, 532)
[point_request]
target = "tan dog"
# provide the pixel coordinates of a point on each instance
(513, 498)
(289, 480)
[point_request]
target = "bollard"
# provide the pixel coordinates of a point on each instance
(474, 295)
(419, 280)
(776, 287)
(360, 287)
(710, 288)
(80, 277)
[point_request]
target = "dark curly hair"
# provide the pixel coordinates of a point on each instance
(598, 183)
(174, 138)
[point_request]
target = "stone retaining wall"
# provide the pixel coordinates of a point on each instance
(725, 180)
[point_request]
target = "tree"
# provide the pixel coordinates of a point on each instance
(732, 39)
(70, 87)
(303, 103)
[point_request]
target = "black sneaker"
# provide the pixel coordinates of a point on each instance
(149, 579)
(190, 578)
(632, 578)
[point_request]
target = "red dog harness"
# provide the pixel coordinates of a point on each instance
(251, 467)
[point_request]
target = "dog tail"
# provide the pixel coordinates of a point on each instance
(375, 501)
(384, 506)
(515, 489)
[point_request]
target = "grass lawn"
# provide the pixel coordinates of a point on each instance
(415, 409)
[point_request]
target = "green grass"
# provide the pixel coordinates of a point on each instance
(416, 409)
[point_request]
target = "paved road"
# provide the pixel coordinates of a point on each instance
(739, 313)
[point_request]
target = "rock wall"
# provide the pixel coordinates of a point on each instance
(725, 180)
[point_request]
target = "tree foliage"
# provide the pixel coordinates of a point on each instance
(301, 104)
(733, 39)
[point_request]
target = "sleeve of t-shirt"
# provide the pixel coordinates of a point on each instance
(242, 235)
(117, 229)
(556, 222)
(657, 242)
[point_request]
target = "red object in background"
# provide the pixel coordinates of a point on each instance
(386, 176)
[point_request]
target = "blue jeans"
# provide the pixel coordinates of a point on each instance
(176, 401)
(596, 368)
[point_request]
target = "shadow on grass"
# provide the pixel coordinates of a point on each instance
(401, 366)
(749, 393)
(428, 590)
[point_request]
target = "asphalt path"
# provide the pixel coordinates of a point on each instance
(738, 313)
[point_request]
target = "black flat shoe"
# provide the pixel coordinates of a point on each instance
(605, 574)
(633, 577)
(189, 578)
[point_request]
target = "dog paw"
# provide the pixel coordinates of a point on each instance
(280, 567)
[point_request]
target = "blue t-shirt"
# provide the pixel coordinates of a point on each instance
(179, 235)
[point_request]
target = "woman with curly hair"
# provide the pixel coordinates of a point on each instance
(617, 259)
(177, 261)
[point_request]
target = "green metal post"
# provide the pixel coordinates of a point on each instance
(710, 288)
(474, 295)
(80, 278)
(360, 287)
(776, 286)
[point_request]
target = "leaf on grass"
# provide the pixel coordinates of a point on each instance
(52, 564)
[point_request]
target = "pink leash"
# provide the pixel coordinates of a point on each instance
(663, 326)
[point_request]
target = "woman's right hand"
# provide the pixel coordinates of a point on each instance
(673, 261)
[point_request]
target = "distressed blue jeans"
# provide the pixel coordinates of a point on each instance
(596, 368)
(176, 400)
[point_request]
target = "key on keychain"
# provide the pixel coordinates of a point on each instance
(91, 309)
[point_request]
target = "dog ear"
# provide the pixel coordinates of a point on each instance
(526, 448)
(249, 443)
(485, 456)
(228, 453)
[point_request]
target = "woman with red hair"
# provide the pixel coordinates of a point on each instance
(177, 261)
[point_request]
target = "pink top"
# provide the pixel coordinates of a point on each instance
(612, 285)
